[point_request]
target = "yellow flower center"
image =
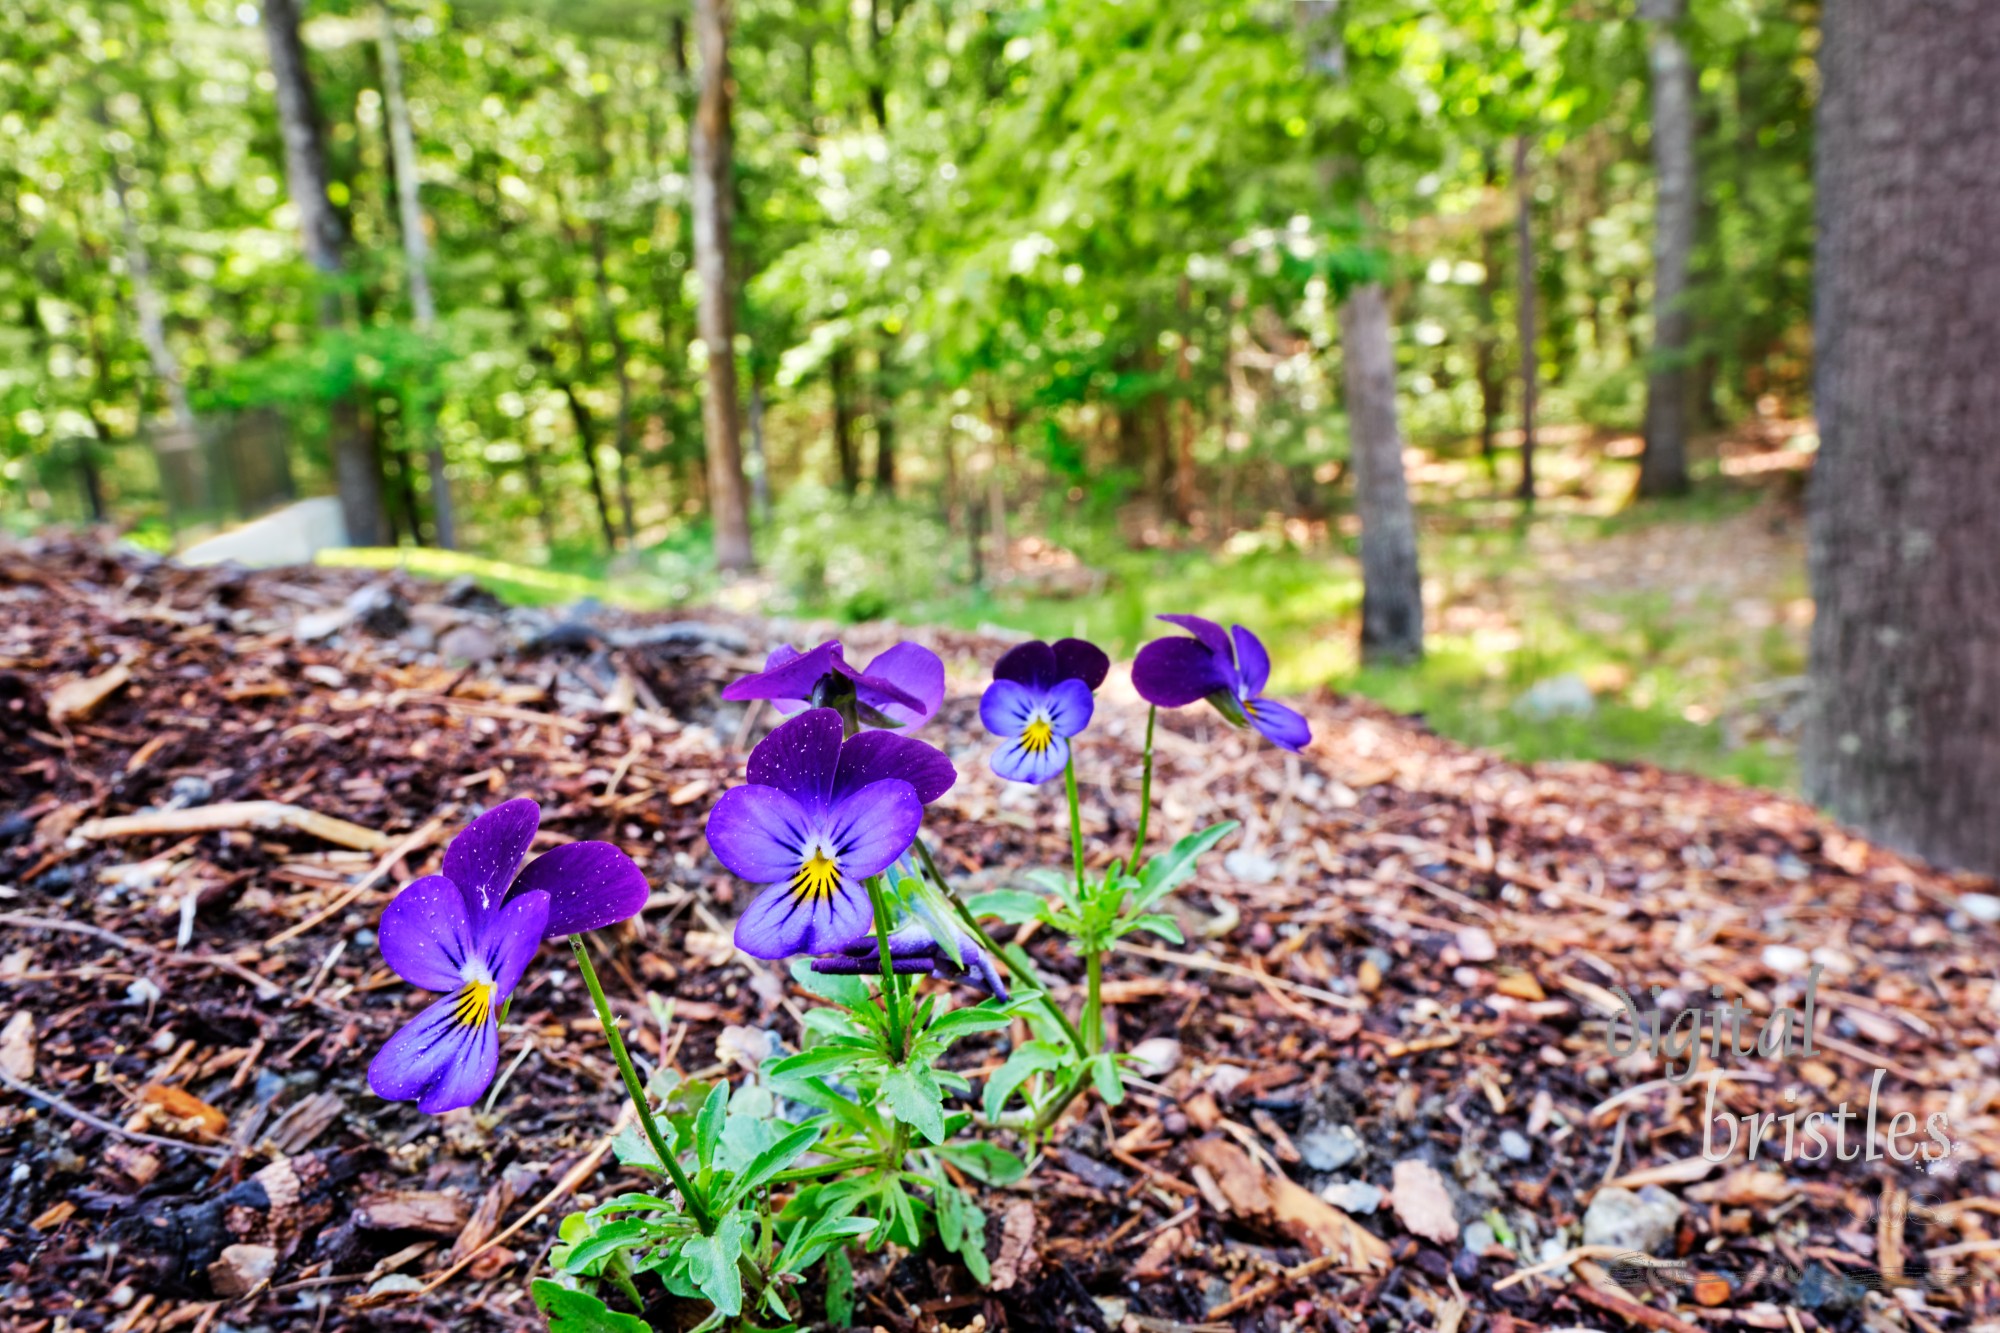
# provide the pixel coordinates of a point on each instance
(1038, 736)
(473, 1005)
(817, 878)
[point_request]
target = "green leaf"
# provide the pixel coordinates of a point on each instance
(962, 1228)
(1027, 1060)
(848, 992)
(964, 1022)
(987, 1163)
(1104, 1073)
(1158, 923)
(573, 1311)
(839, 1290)
(630, 1234)
(708, 1125)
(1167, 871)
(711, 1262)
(632, 1203)
(1014, 906)
(771, 1161)
(914, 1098)
(827, 1059)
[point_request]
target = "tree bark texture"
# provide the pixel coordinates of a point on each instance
(1392, 598)
(1903, 739)
(728, 496)
(1663, 466)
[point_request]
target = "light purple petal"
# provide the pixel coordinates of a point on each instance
(441, 1062)
(1016, 763)
(1279, 724)
(1032, 664)
(484, 856)
(590, 885)
(1006, 707)
(914, 676)
(788, 673)
(759, 833)
(1207, 631)
(1175, 672)
(875, 755)
(510, 941)
(871, 827)
(799, 757)
(1069, 705)
(1253, 664)
(426, 933)
(1079, 659)
(782, 922)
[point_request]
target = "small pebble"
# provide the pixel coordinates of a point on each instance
(1515, 1146)
(1785, 960)
(1981, 907)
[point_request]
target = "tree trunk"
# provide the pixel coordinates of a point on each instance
(1903, 739)
(846, 454)
(416, 261)
(1663, 467)
(151, 311)
(1486, 352)
(621, 368)
(728, 498)
(1524, 242)
(1392, 596)
(885, 426)
(586, 440)
(356, 467)
(760, 463)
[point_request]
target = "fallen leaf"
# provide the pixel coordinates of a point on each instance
(1159, 1254)
(1521, 986)
(54, 1217)
(1681, 1171)
(182, 1112)
(241, 1269)
(17, 1046)
(78, 699)
(1279, 1201)
(1017, 1245)
(1422, 1203)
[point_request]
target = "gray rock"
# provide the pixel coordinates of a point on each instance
(1477, 1236)
(470, 643)
(1514, 1146)
(189, 791)
(1566, 695)
(1644, 1222)
(1352, 1196)
(1330, 1147)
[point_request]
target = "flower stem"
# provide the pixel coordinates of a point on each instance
(891, 995)
(697, 1206)
(1145, 792)
(1075, 820)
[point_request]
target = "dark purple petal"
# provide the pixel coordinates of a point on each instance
(788, 673)
(590, 885)
(1253, 664)
(871, 827)
(783, 920)
(1069, 706)
(1207, 631)
(800, 756)
(1278, 724)
(438, 1059)
(1173, 673)
(1032, 664)
(1017, 762)
(426, 934)
(1079, 659)
(509, 942)
(759, 833)
(875, 755)
(906, 683)
(484, 857)
(1007, 706)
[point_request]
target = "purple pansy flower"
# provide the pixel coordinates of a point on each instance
(904, 684)
(913, 950)
(1229, 670)
(470, 933)
(1039, 698)
(817, 818)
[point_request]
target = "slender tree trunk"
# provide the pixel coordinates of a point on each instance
(621, 368)
(1184, 479)
(1524, 242)
(416, 262)
(1903, 739)
(885, 427)
(846, 452)
(151, 311)
(357, 467)
(1663, 468)
(1392, 597)
(760, 463)
(586, 441)
(1486, 352)
(728, 498)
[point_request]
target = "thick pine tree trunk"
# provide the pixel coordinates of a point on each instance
(1663, 467)
(728, 496)
(1904, 736)
(1392, 597)
(357, 469)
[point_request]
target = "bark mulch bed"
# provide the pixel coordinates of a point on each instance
(1392, 996)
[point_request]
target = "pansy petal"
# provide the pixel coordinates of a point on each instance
(442, 1063)
(510, 941)
(1210, 633)
(875, 755)
(1253, 664)
(905, 682)
(783, 921)
(1069, 705)
(1278, 724)
(426, 933)
(871, 827)
(1079, 659)
(759, 833)
(483, 857)
(1172, 673)
(787, 674)
(799, 757)
(1006, 707)
(1032, 664)
(1017, 763)
(590, 885)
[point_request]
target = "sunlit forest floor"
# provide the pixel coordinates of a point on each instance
(1668, 632)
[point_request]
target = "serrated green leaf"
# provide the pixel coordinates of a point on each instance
(913, 1097)
(711, 1263)
(572, 1311)
(962, 1227)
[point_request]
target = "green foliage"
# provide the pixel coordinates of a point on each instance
(864, 559)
